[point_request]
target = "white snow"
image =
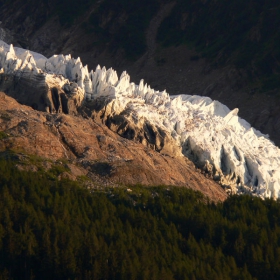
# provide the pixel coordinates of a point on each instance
(214, 137)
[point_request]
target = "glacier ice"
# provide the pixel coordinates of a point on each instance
(238, 156)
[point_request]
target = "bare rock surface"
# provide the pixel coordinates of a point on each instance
(93, 149)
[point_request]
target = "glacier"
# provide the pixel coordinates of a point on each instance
(215, 138)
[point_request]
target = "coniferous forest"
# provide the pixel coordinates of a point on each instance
(53, 229)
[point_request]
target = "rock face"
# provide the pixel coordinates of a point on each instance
(219, 142)
(30, 78)
(95, 150)
(127, 124)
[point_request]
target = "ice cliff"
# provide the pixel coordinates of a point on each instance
(238, 156)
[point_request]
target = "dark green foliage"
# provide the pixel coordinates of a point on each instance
(69, 10)
(243, 33)
(125, 25)
(117, 23)
(56, 230)
(101, 168)
(3, 135)
(58, 169)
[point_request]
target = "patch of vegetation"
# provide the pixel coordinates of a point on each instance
(62, 161)
(101, 168)
(34, 159)
(83, 178)
(44, 166)
(127, 32)
(69, 10)
(236, 32)
(3, 135)
(57, 169)
(117, 23)
(52, 229)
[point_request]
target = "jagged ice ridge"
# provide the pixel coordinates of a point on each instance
(238, 156)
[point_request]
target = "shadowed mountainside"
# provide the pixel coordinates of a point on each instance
(192, 47)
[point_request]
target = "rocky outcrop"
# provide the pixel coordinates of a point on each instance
(95, 150)
(25, 76)
(127, 124)
(38, 93)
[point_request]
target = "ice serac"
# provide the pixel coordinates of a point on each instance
(239, 157)
(45, 84)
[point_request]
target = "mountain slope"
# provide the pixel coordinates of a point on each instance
(54, 229)
(92, 149)
(218, 141)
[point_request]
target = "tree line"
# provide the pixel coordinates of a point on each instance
(52, 229)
